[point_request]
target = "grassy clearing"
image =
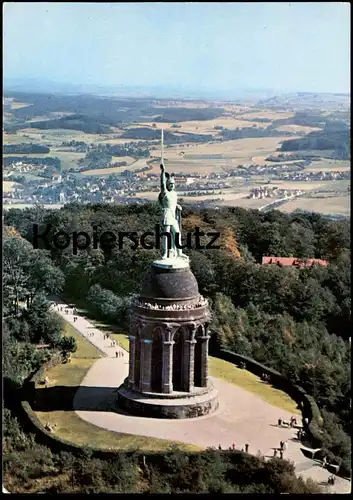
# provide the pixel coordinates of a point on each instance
(251, 383)
(19, 105)
(244, 203)
(122, 339)
(85, 350)
(70, 427)
(69, 374)
(7, 186)
(298, 128)
(327, 164)
(339, 205)
(271, 115)
(116, 334)
(68, 159)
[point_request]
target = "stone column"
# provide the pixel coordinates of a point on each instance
(132, 340)
(146, 365)
(188, 365)
(167, 367)
(204, 359)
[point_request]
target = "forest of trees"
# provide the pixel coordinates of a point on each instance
(327, 139)
(92, 112)
(187, 114)
(297, 321)
(249, 132)
(87, 124)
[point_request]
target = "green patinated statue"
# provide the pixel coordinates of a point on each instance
(171, 218)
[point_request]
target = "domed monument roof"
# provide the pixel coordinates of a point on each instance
(161, 283)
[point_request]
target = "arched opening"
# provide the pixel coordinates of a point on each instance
(137, 360)
(157, 360)
(198, 360)
(178, 361)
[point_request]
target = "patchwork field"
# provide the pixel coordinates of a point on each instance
(206, 126)
(271, 115)
(206, 158)
(244, 203)
(18, 105)
(297, 129)
(134, 165)
(57, 136)
(68, 159)
(327, 164)
(218, 156)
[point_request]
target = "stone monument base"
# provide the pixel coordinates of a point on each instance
(178, 405)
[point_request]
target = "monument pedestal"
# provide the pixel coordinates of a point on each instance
(177, 405)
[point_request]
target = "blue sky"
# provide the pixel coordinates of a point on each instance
(187, 45)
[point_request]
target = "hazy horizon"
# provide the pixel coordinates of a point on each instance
(211, 49)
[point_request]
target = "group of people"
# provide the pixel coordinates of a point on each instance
(300, 434)
(232, 447)
(283, 445)
(67, 310)
(276, 450)
(265, 377)
(291, 423)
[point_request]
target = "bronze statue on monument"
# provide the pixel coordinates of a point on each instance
(171, 218)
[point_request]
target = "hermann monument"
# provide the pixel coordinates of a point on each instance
(168, 358)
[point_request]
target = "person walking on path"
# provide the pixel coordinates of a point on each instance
(275, 452)
(331, 480)
(280, 422)
(281, 454)
(281, 445)
(116, 354)
(246, 448)
(122, 354)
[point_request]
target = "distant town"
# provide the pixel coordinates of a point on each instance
(129, 186)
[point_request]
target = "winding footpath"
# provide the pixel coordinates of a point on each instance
(241, 418)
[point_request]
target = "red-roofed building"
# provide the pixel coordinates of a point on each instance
(293, 261)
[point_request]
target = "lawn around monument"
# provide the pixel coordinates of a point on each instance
(248, 381)
(69, 426)
(224, 370)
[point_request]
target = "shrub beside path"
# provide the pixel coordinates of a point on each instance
(241, 418)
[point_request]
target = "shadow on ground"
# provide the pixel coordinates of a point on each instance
(78, 398)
